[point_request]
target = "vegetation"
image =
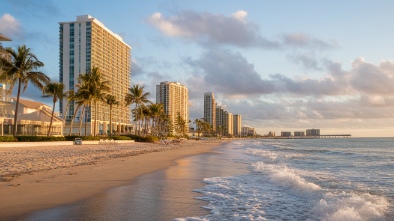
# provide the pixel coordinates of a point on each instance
(147, 139)
(22, 70)
(38, 138)
(55, 90)
(111, 101)
(138, 97)
(8, 139)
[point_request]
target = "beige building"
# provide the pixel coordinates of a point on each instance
(87, 43)
(174, 97)
(210, 109)
(237, 122)
(248, 131)
(228, 124)
(33, 119)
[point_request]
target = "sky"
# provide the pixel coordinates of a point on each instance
(283, 65)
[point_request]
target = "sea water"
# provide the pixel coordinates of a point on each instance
(305, 179)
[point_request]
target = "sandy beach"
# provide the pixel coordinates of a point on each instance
(35, 178)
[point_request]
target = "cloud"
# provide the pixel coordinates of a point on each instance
(9, 26)
(371, 79)
(302, 40)
(234, 30)
(212, 29)
(307, 61)
(231, 74)
(365, 91)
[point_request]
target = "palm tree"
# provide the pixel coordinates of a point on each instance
(55, 90)
(199, 125)
(93, 89)
(70, 96)
(110, 100)
(21, 70)
(156, 111)
(136, 95)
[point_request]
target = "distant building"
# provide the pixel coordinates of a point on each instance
(228, 124)
(299, 133)
(271, 134)
(220, 120)
(210, 109)
(174, 97)
(313, 132)
(237, 122)
(285, 134)
(248, 131)
(87, 43)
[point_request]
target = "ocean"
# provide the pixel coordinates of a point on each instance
(305, 179)
(349, 179)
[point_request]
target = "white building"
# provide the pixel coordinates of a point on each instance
(174, 97)
(87, 43)
(33, 119)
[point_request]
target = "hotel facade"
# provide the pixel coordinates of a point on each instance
(84, 44)
(174, 97)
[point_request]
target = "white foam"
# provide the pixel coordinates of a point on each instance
(351, 207)
(275, 190)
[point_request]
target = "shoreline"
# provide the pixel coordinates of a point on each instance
(58, 186)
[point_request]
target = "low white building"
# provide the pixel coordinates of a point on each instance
(33, 118)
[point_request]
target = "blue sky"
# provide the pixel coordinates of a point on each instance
(282, 65)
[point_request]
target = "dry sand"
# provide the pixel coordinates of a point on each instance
(35, 178)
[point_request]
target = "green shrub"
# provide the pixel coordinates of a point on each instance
(38, 138)
(72, 138)
(8, 139)
(147, 139)
(120, 138)
(150, 139)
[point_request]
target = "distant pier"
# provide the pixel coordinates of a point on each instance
(315, 137)
(336, 136)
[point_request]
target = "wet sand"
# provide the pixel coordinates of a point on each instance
(162, 195)
(33, 190)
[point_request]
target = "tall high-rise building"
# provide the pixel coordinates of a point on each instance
(220, 120)
(210, 109)
(87, 43)
(228, 123)
(174, 97)
(237, 124)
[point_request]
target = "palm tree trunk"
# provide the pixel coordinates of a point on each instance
(65, 112)
(80, 120)
(95, 118)
(53, 113)
(110, 120)
(16, 107)
(72, 119)
(86, 120)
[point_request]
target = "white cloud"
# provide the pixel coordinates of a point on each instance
(9, 26)
(212, 29)
(240, 15)
(167, 27)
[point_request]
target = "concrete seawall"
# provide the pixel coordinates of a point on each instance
(54, 143)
